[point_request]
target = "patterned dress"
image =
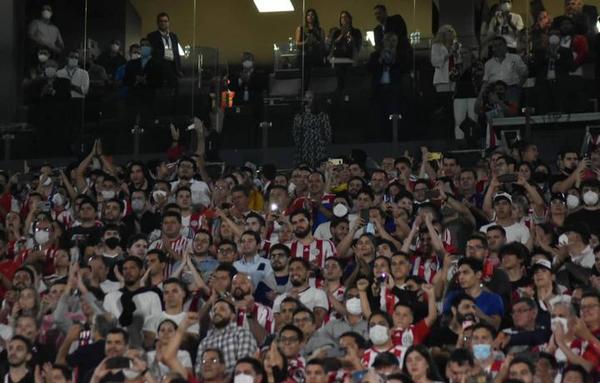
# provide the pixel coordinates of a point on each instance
(312, 133)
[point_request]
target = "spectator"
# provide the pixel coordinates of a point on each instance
(506, 24)
(506, 67)
(347, 42)
(502, 204)
(312, 132)
(234, 342)
(43, 33)
(165, 49)
(310, 40)
(133, 304)
(19, 356)
(112, 59)
(80, 81)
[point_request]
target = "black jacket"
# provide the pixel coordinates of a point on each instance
(394, 24)
(158, 47)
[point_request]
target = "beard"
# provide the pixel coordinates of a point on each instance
(466, 317)
(277, 266)
(302, 233)
(297, 282)
(238, 294)
(220, 322)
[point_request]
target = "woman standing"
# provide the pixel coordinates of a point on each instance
(346, 42)
(310, 40)
(445, 56)
(311, 132)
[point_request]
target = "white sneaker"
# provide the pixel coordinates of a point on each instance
(459, 134)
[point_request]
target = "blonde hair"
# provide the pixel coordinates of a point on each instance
(442, 35)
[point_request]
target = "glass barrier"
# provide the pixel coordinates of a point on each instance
(247, 82)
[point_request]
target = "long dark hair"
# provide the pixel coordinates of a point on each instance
(316, 23)
(432, 370)
(349, 16)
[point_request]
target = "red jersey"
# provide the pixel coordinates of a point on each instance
(415, 334)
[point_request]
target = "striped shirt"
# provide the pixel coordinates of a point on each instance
(178, 246)
(315, 252)
(370, 355)
(262, 314)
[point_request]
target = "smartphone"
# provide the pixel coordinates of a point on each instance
(508, 178)
(43, 206)
(382, 277)
(364, 214)
(432, 194)
(370, 229)
(118, 363)
(274, 207)
(336, 161)
(434, 156)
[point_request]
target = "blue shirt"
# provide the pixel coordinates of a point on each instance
(257, 268)
(489, 303)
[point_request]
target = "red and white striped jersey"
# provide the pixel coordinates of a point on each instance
(48, 264)
(315, 252)
(178, 246)
(370, 355)
(65, 217)
(263, 315)
(425, 268)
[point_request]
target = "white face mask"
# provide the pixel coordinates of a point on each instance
(243, 378)
(108, 194)
(72, 62)
(43, 58)
(247, 64)
(378, 335)
(135, 56)
(353, 306)
(555, 322)
(505, 7)
(340, 210)
(50, 72)
(114, 47)
(572, 201)
(41, 237)
(137, 205)
(590, 198)
(58, 199)
(158, 194)
(46, 14)
(130, 374)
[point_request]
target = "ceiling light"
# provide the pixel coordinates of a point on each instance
(264, 6)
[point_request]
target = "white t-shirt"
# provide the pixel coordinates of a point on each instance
(182, 355)
(517, 232)
(107, 286)
(200, 192)
(311, 298)
(324, 230)
(151, 323)
(147, 304)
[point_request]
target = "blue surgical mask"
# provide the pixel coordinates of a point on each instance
(146, 50)
(482, 351)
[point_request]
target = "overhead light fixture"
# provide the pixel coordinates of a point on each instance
(265, 6)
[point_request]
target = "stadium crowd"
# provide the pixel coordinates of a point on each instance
(416, 268)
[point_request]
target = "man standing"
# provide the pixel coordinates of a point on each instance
(165, 48)
(251, 315)
(386, 24)
(234, 342)
(515, 231)
(133, 304)
(172, 242)
(45, 34)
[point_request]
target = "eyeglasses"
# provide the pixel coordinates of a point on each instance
(290, 339)
(522, 311)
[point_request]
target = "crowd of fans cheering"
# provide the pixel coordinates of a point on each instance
(416, 268)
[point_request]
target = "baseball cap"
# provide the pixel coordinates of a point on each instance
(541, 263)
(502, 195)
(558, 197)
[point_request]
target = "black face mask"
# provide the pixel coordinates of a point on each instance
(112, 242)
(539, 177)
